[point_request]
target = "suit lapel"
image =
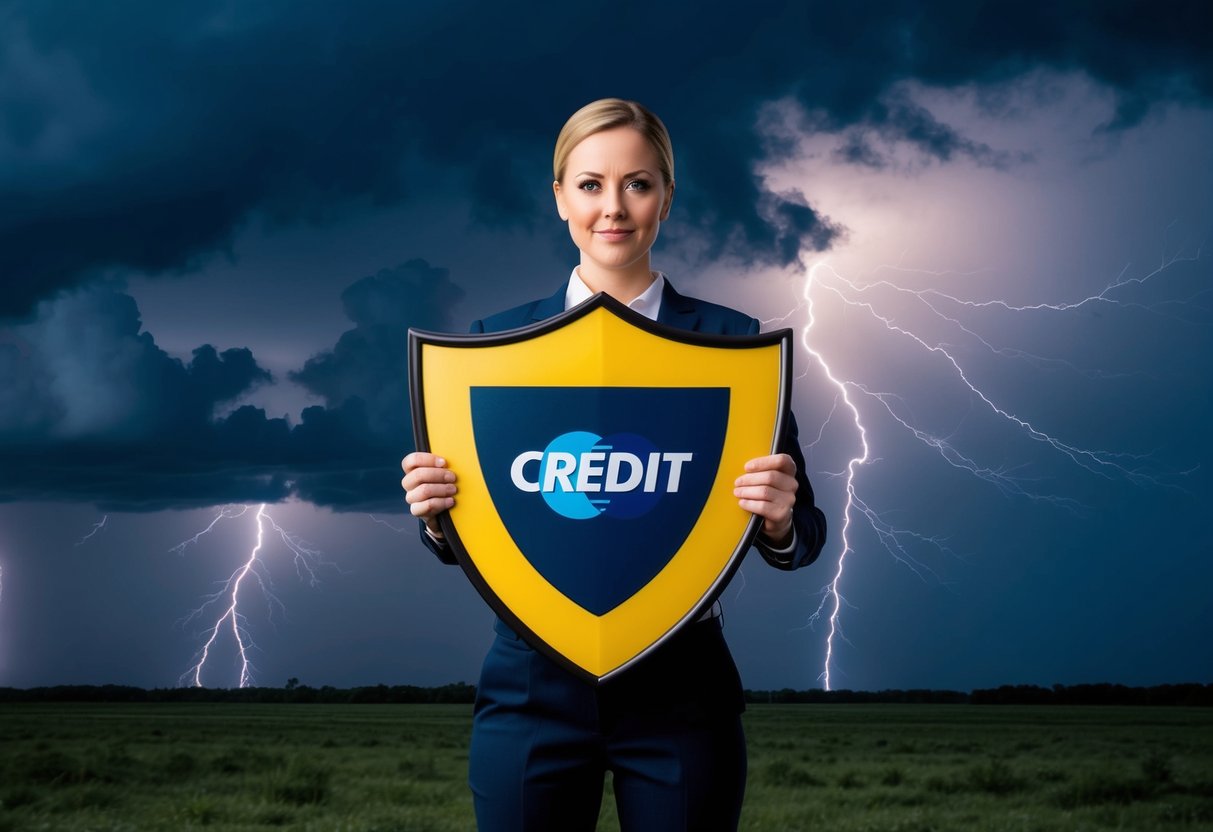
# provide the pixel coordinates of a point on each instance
(550, 306)
(677, 310)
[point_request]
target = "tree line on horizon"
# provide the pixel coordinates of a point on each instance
(1187, 695)
(1104, 693)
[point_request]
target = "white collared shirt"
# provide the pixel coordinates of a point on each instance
(647, 303)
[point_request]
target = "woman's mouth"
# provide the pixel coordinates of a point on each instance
(614, 233)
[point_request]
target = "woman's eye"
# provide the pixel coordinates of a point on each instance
(589, 185)
(638, 185)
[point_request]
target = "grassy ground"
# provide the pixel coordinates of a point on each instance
(875, 768)
(1012, 769)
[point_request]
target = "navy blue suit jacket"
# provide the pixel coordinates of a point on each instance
(698, 316)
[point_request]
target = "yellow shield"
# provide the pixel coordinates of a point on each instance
(596, 453)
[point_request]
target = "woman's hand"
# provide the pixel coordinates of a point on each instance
(768, 489)
(429, 487)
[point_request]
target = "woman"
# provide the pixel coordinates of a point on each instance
(669, 728)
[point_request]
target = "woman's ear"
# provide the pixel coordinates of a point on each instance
(669, 199)
(556, 192)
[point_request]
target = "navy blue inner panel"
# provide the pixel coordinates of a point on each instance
(571, 471)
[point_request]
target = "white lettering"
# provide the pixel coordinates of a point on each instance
(558, 466)
(651, 471)
(635, 471)
(516, 470)
(596, 471)
(586, 469)
(675, 461)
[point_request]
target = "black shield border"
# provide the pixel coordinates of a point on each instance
(419, 337)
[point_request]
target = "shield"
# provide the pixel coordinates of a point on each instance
(596, 453)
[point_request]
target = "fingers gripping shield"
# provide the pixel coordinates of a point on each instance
(596, 453)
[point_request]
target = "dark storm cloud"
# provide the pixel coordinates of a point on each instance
(91, 409)
(898, 119)
(368, 362)
(83, 370)
(141, 135)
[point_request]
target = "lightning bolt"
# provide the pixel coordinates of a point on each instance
(227, 598)
(225, 513)
(833, 593)
(390, 526)
(96, 528)
(947, 309)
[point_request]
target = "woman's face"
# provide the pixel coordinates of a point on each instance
(614, 199)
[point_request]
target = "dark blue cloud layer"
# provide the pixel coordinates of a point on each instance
(83, 371)
(91, 409)
(140, 136)
(368, 362)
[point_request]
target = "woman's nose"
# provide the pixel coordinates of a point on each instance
(613, 205)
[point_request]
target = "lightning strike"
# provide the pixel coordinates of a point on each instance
(225, 513)
(96, 528)
(390, 526)
(946, 309)
(227, 598)
(833, 594)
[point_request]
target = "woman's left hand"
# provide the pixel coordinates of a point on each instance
(768, 489)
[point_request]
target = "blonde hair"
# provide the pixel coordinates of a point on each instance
(607, 113)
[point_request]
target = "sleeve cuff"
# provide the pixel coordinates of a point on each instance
(438, 541)
(782, 553)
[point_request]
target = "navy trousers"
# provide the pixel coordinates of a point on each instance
(668, 729)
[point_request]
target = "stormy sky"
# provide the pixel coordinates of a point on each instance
(987, 224)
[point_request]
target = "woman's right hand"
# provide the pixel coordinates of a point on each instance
(429, 487)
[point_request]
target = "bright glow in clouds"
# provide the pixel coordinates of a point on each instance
(228, 597)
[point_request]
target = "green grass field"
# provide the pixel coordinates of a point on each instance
(844, 768)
